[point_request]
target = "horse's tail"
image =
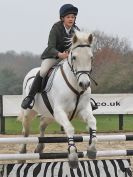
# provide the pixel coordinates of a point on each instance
(26, 87)
(21, 116)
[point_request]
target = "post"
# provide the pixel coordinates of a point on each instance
(120, 121)
(2, 118)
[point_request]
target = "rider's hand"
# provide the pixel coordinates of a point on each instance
(63, 55)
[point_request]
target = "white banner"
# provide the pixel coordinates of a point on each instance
(11, 105)
(114, 103)
(107, 104)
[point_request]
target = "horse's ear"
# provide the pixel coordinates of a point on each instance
(90, 38)
(75, 38)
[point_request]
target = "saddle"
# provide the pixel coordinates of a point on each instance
(47, 81)
(47, 85)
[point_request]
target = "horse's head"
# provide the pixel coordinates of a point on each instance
(80, 58)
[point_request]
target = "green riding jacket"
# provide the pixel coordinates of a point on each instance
(58, 40)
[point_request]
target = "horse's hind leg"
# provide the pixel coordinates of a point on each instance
(26, 118)
(44, 122)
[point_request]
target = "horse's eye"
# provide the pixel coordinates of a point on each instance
(73, 58)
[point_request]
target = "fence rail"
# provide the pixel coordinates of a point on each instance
(29, 140)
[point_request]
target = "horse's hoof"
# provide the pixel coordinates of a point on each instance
(39, 148)
(23, 150)
(73, 160)
(38, 151)
(92, 153)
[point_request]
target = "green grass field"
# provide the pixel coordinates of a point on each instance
(105, 123)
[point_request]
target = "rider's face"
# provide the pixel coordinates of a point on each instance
(69, 20)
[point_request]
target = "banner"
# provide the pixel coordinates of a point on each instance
(107, 104)
(11, 105)
(113, 103)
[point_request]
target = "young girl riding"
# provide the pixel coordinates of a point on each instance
(58, 46)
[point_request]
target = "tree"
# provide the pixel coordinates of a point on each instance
(9, 82)
(103, 41)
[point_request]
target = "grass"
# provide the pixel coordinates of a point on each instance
(105, 123)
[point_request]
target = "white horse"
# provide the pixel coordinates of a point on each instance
(70, 90)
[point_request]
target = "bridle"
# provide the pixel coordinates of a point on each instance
(71, 65)
(79, 73)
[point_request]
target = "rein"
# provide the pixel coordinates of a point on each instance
(73, 89)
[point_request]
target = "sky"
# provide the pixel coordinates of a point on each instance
(25, 24)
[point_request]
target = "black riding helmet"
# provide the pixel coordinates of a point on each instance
(68, 9)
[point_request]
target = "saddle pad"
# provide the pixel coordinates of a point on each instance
(50, 78)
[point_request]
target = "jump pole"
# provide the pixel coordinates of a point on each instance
(29, 140)
(37, 156)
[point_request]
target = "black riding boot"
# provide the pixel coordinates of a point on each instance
(28, 102)
(94, 105)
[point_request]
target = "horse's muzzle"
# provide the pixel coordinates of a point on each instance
(84, 85)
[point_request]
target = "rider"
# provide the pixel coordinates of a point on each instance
(58, 46)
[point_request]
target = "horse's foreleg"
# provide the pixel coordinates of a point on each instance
(44, 122)
(62, 118)
(91, 122)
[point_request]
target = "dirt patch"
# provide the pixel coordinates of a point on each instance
(62, 147)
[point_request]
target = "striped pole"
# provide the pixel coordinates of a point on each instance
(29, 140)
(37, 156)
